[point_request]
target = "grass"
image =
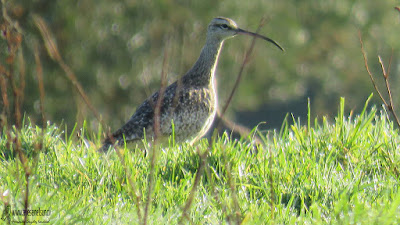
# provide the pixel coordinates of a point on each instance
(338, 172)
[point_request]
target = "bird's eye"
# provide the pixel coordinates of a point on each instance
(224, 26)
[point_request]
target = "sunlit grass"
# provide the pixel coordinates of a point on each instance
(340, 172)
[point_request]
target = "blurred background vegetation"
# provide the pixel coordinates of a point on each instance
(116, 50)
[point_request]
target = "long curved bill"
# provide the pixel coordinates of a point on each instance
(240, 31)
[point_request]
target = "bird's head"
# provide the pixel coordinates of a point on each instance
(223, 28)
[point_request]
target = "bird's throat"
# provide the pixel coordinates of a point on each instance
(202, 72)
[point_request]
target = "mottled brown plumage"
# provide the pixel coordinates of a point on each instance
(190, 103)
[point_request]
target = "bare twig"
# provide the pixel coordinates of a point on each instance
(388, 104)
(369, 72)
(239, 77)
(39, 74)
(21, 64)
(53, 52)
(157, 135)
(4, 97)
(390, 63)
(157, 110)
(14, 39)
(4, 75)
(235, 129)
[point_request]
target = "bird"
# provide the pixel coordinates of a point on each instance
(187, 107)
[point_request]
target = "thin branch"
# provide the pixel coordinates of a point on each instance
(157, 110)
(21, 64)
(385, 75)
(53, 52)
(4, 96)
(39, 75)
(157, 135)
(240, 74)
(14, 39)
(390, 63)
(369, 72)
(390, 107)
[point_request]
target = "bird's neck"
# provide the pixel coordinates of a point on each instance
(202, 72)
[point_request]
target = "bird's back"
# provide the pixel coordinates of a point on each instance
(185, 110)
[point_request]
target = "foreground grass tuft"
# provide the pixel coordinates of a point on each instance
(339, 172)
